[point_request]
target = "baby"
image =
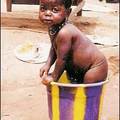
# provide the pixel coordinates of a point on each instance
(70, 49)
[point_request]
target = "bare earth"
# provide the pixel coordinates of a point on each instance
(23, 97)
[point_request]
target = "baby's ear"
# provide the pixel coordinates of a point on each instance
(69, 11)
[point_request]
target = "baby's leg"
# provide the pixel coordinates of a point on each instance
(96, 74)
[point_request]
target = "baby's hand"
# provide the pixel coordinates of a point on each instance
(46, 80)
(44, 70)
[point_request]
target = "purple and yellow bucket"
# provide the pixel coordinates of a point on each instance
(75, 101)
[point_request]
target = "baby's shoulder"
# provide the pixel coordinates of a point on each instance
(64, 34)
(66, 30)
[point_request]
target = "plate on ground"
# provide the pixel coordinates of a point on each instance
(32, 53)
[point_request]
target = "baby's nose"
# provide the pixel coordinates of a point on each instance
(48, 13)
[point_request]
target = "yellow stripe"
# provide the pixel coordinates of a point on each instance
(101, 103)
(79, 104)
(63, 78)
(55, 102)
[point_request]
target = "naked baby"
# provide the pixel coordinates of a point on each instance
(71, 50)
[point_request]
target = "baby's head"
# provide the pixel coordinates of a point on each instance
(54, 11)
(66, 3)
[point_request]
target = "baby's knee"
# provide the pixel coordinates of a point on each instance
(94, 78)
(89, 78)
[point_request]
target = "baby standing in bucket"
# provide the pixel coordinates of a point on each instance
(70, 49)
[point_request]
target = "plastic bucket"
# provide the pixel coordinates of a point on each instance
(74, 101)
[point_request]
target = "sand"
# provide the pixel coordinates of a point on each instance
(23, 97)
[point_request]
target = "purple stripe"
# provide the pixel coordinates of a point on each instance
(66, 104)
(92, 104)
(49, 102)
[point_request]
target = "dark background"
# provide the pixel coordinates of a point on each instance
(34, 2)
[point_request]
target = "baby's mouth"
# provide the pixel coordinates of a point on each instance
(47, 21)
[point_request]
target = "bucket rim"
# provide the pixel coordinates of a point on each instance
(79, 85)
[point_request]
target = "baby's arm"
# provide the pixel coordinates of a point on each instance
(52, 56)
(63, 42)
(51, 59)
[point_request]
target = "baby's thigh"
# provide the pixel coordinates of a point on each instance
(94, 75)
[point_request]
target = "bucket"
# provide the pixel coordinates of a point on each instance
(68, 101)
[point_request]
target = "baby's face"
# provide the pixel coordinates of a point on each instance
(52, 12)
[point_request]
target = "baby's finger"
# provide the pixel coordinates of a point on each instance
(45, 73)
(41, 73)
(44, 82)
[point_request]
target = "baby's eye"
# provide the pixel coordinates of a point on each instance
(42, 8)
(55, 9)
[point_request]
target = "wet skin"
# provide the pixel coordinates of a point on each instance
(70, 49)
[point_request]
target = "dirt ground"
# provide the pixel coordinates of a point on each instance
(23, 97)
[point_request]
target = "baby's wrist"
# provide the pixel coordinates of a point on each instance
(54, 77)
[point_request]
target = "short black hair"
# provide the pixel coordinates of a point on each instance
(67, 3)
